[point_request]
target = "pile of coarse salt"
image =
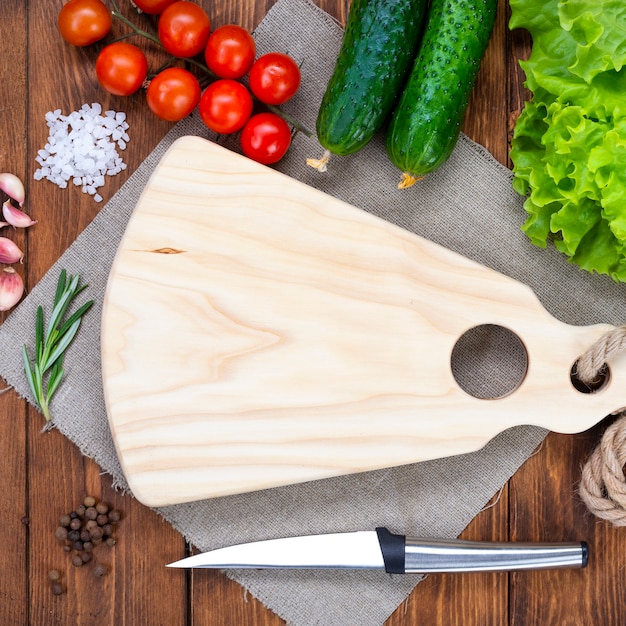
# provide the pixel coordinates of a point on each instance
(82, 146)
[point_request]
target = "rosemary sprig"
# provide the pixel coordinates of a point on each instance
(52, 342)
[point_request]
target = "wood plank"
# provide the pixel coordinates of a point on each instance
(486, 117)
(216, 600)
(14, 512)
(59, 476)
(546, 507)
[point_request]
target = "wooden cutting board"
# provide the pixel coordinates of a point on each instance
(257, 332)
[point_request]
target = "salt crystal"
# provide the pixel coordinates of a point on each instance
(81, 147)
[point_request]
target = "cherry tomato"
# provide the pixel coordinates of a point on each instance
(184, 29)
(121, 68)
(230, 51)
(152, 7)
(274, 78)
(265, 138)
(173, 94)
(83, 22)
(225, 106)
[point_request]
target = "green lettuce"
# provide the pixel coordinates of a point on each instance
(569, 144)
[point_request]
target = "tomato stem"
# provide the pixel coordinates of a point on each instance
(201, 66)
(289, 120)
(138, 31)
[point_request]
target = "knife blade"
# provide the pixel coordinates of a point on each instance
(396, 554)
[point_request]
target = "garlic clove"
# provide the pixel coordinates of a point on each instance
(15, 217)
(9, 252)
(3, 224)
(12, 186)
(11, 288)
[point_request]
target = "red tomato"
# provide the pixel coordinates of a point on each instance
(152, 7)
(274, 78)
(265, 138)
(83, 22)
(225, 106)
(230, 51)
(184, 29)
(121, 68)
(173, 94)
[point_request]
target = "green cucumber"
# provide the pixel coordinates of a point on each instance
(379, 45)
(426, 122)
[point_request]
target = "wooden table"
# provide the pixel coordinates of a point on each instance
(44, 475)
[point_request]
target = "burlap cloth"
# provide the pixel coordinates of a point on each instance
(467, 206)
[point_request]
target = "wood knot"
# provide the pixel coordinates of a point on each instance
(167, 251)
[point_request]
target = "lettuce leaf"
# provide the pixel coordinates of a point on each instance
(569, 144)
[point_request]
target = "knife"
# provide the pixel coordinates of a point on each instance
(396, 554)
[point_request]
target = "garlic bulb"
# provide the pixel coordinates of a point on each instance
(11, 288)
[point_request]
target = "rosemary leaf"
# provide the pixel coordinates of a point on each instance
(59, 310)
(76, 315)
(29, 371)
(46, 372)
(60, 287)
(56, 375)
(62, 345)
(39, 333)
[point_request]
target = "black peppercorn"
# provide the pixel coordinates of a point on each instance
(81, 530)
(99, 570)
(102, 508)
(89, 501)
(57, 589)
(96, 533)
(102, 520)
(54, 575)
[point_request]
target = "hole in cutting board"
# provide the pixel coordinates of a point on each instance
(602, 380)
(489, 361)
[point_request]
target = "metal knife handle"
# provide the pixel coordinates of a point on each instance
(406, 555)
